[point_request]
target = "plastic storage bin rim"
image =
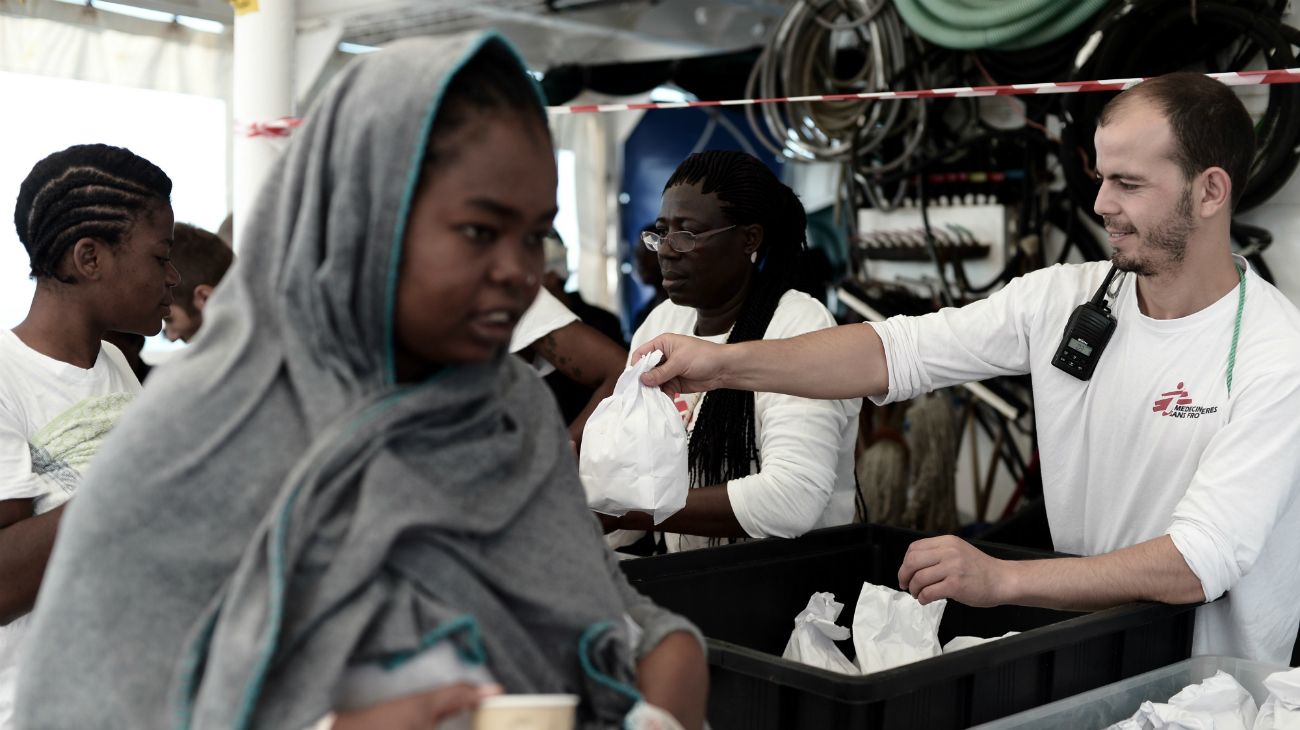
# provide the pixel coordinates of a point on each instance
(1198, 668)
(889, 683)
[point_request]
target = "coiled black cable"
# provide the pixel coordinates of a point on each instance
(1152, 37)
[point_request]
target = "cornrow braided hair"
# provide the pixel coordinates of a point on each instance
(85, 191)
(724, 444)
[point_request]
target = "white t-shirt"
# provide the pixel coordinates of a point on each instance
(1152, 444)
(545, 315)
(53, 416)
(805, 446)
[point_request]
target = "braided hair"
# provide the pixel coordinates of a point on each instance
(85, 191)
(723, 444)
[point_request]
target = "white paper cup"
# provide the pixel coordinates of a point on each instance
(526, 712)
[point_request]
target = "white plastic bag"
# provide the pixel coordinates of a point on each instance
(645, 716)
(1221, 697)
(1281, 711)
(1218, 703)
(890, 628)
(957, 643)
(813, 640)
(634, 449)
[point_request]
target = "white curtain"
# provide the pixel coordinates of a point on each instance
(48, 38)
(597, 143)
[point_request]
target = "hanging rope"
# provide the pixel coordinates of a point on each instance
(933, 438)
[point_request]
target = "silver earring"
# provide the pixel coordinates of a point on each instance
(753, 257)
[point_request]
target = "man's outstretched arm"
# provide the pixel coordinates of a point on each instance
(840, 362)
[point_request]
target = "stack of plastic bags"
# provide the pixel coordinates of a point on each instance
(1221, 703)
(1218, 703)
(1281, 711)
(890, 629)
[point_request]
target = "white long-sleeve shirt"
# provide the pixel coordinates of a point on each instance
(804, 479)
(1153, 444)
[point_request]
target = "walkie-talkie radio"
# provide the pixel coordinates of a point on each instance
(1086, 334)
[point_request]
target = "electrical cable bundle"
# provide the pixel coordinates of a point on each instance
(997, 24)
(1152, 37)
(1051, 61)
(808, 55)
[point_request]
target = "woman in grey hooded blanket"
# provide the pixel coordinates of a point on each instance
(303, 497)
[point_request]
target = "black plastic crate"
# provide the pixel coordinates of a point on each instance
(745, 597)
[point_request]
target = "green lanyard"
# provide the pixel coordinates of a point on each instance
(1236, 325)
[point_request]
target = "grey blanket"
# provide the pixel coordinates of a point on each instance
(274, 509)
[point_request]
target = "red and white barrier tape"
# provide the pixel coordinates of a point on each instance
(283, 126)
(275, 128)
(1240, 78)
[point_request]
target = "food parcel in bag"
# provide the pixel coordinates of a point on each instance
(815, 634)
(891, 628)
(634, 449)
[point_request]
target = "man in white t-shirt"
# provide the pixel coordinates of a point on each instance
(97, 224)
(1174, 468)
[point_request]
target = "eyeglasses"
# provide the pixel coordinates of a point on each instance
(679, 241)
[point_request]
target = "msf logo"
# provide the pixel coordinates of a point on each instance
(1177, 403)
(1177, 396)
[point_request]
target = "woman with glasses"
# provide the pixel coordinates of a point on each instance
(730, 237)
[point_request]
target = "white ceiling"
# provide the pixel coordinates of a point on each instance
(599, 31)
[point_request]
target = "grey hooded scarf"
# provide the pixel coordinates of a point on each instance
(274, 509)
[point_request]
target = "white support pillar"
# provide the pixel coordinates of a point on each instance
(263, 92)
(316, 45)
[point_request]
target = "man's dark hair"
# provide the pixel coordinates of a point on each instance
(1210, 125)
(201, 258)
(723, 444)
(492, 81)
(86, 191)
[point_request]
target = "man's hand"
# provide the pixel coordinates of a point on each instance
(422, 711)
(949, 567)
(690, 365)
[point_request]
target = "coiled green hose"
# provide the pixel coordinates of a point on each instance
(998, 24)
